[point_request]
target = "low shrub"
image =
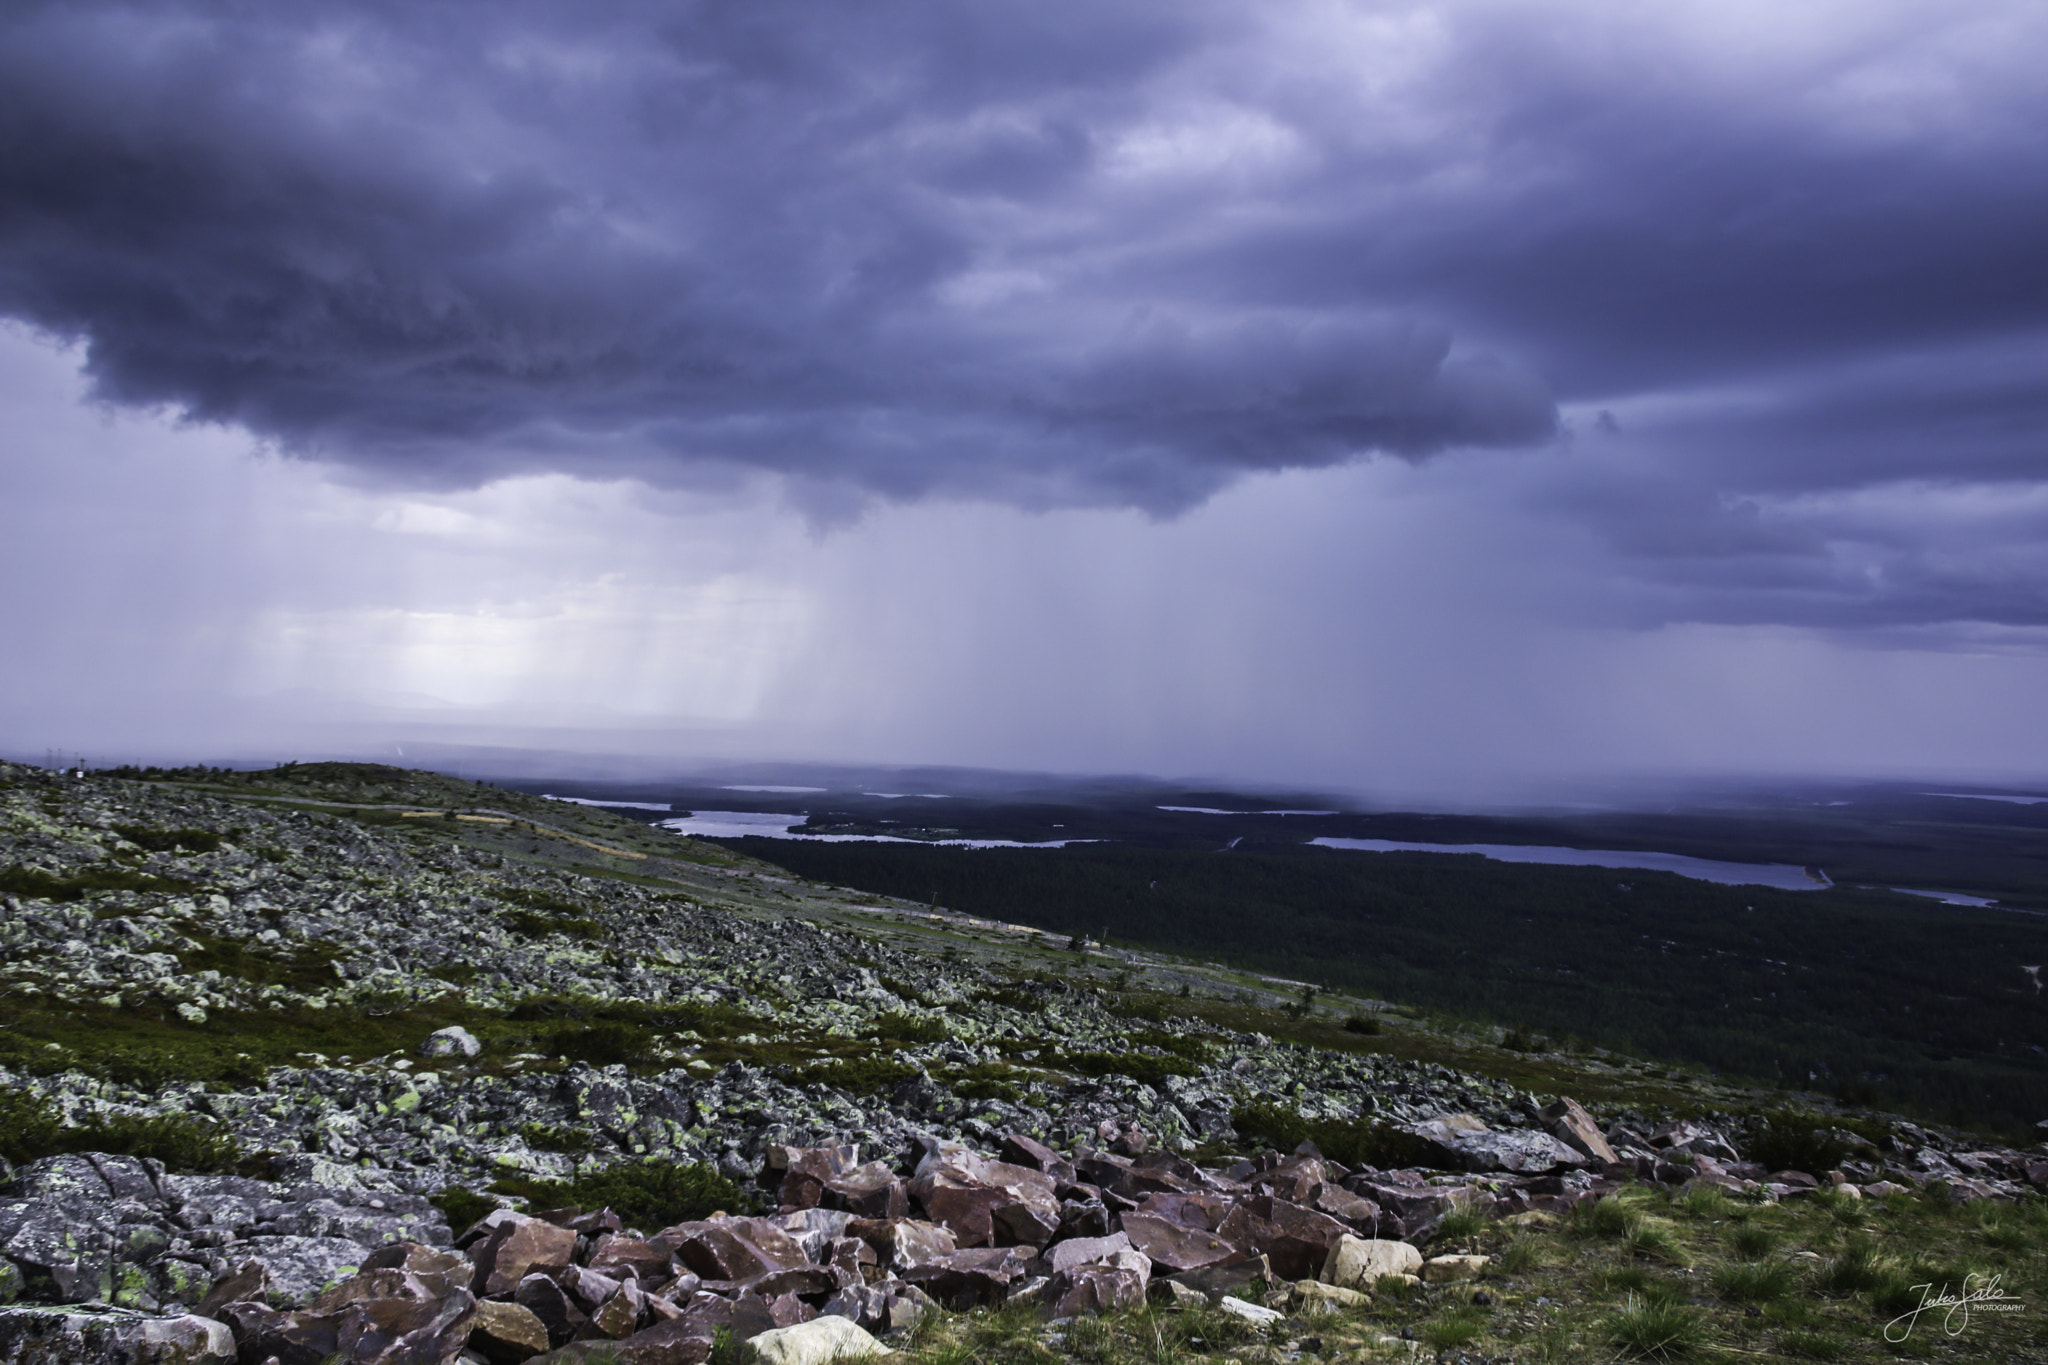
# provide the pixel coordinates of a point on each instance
(31, 1128)
(39, 885)
(461, 1207)
(171, 840)
(1452, 1328)
(1790, 1140)
(897, 1026)
(1359, 1023)
(1752, 1241)
(1355, 1142)
(646, 1195)
(1601, 1219)
(550, 1137)
(1136, 1065)
(858, 1075)
(605, 1043)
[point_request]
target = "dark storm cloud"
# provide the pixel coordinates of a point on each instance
(410, 242)
(1102, 253)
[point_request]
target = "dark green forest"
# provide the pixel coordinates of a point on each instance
(1875, 997)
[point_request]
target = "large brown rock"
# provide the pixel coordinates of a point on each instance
(506, 1333)
(393, 1330)
(1226, 1277)
(249, 1282)
(632, 1256)
(753, 1314)
(557, 1311)
(804, 1281)
(1173, 1247)
(973, 1277)
(1572, 1125)
(735, 1248)
(514, 1249)
(986, 1203)
(1194, 1210)
(1294, 1180)
(441, 1271)
(901, 1243)
(1019, 1150)
(618, 1317)
(806, 1171)
(1361, 1213)
(1091, 1289)
(1299, 1239)
(870, 1191)
(685, 1341)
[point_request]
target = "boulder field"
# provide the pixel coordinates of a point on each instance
(116, 1262)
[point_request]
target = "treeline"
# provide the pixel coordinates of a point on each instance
(1875, 997)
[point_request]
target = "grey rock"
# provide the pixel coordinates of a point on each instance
(302, 1268)
(61, 1336)
(453, 1041)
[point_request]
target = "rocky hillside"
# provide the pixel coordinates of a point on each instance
(285, 1047)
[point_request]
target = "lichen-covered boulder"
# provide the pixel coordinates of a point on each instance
(88, 1336)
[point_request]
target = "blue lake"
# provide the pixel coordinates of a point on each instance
(1784, 876)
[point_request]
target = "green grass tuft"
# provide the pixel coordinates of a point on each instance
(1657, 1329)
(1856, 1268)
(1453, 1328)
(1753, 1281)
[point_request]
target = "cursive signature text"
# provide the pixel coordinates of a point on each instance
(1956, 1307)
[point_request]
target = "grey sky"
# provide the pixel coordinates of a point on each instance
(1431, 394)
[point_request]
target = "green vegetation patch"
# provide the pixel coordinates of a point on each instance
(552, 1137)
(1138, 1066)
(647, 1195)
(305, 969)
(1791, 1140)
(463, 1208)
(148, 1046)
(900, 1027)
(171, 840)
(30, 1129)
(76, 885)
(1355, 1142)
(858, 1075)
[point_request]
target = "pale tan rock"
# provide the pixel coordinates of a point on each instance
(817, 1342)
(1446, 1269)
(1312, 1298)
(506, 1333)
(1359, 1262)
